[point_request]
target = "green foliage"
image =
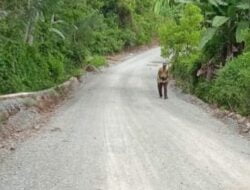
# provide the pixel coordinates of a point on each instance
(182, 36)
(219, 21)
(242, 26)
(225, 36)
(27, 69)
(202, 89)
(43, 43)
(184, 70)
(246, 36)
(232, 87)
(97, 61)
(56, 67)
(229, 18)
(144, 28)
(207, 36)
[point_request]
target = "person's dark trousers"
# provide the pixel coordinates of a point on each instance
(163, 86)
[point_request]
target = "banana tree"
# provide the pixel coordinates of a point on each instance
(230, 18)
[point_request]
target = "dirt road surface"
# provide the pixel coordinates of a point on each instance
(116, 134)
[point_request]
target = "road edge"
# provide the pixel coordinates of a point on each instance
(242, 123)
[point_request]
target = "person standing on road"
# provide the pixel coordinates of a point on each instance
(162, 80)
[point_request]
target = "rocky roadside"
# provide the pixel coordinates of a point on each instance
(25, 113)
(240, 123)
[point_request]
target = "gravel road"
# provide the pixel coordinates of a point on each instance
(116, 134)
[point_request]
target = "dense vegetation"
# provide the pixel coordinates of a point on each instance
(44, 42)
(209, 41)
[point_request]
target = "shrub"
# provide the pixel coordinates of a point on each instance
(144, 28)
(232, 87)
(97, 61)
(184, 70)
(182, 36)
(56, 67)
(22, 68)
(202, 89)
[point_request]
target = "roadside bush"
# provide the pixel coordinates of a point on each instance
(107, 41)
(184, 70)
(27, 68)
(97, 61)
(202, 89)
(232, 87)
(129, 38)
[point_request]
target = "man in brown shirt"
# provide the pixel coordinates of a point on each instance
(162, 80)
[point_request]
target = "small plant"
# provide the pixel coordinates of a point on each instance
(97, 61)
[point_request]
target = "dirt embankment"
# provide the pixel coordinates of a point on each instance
(23, 112)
